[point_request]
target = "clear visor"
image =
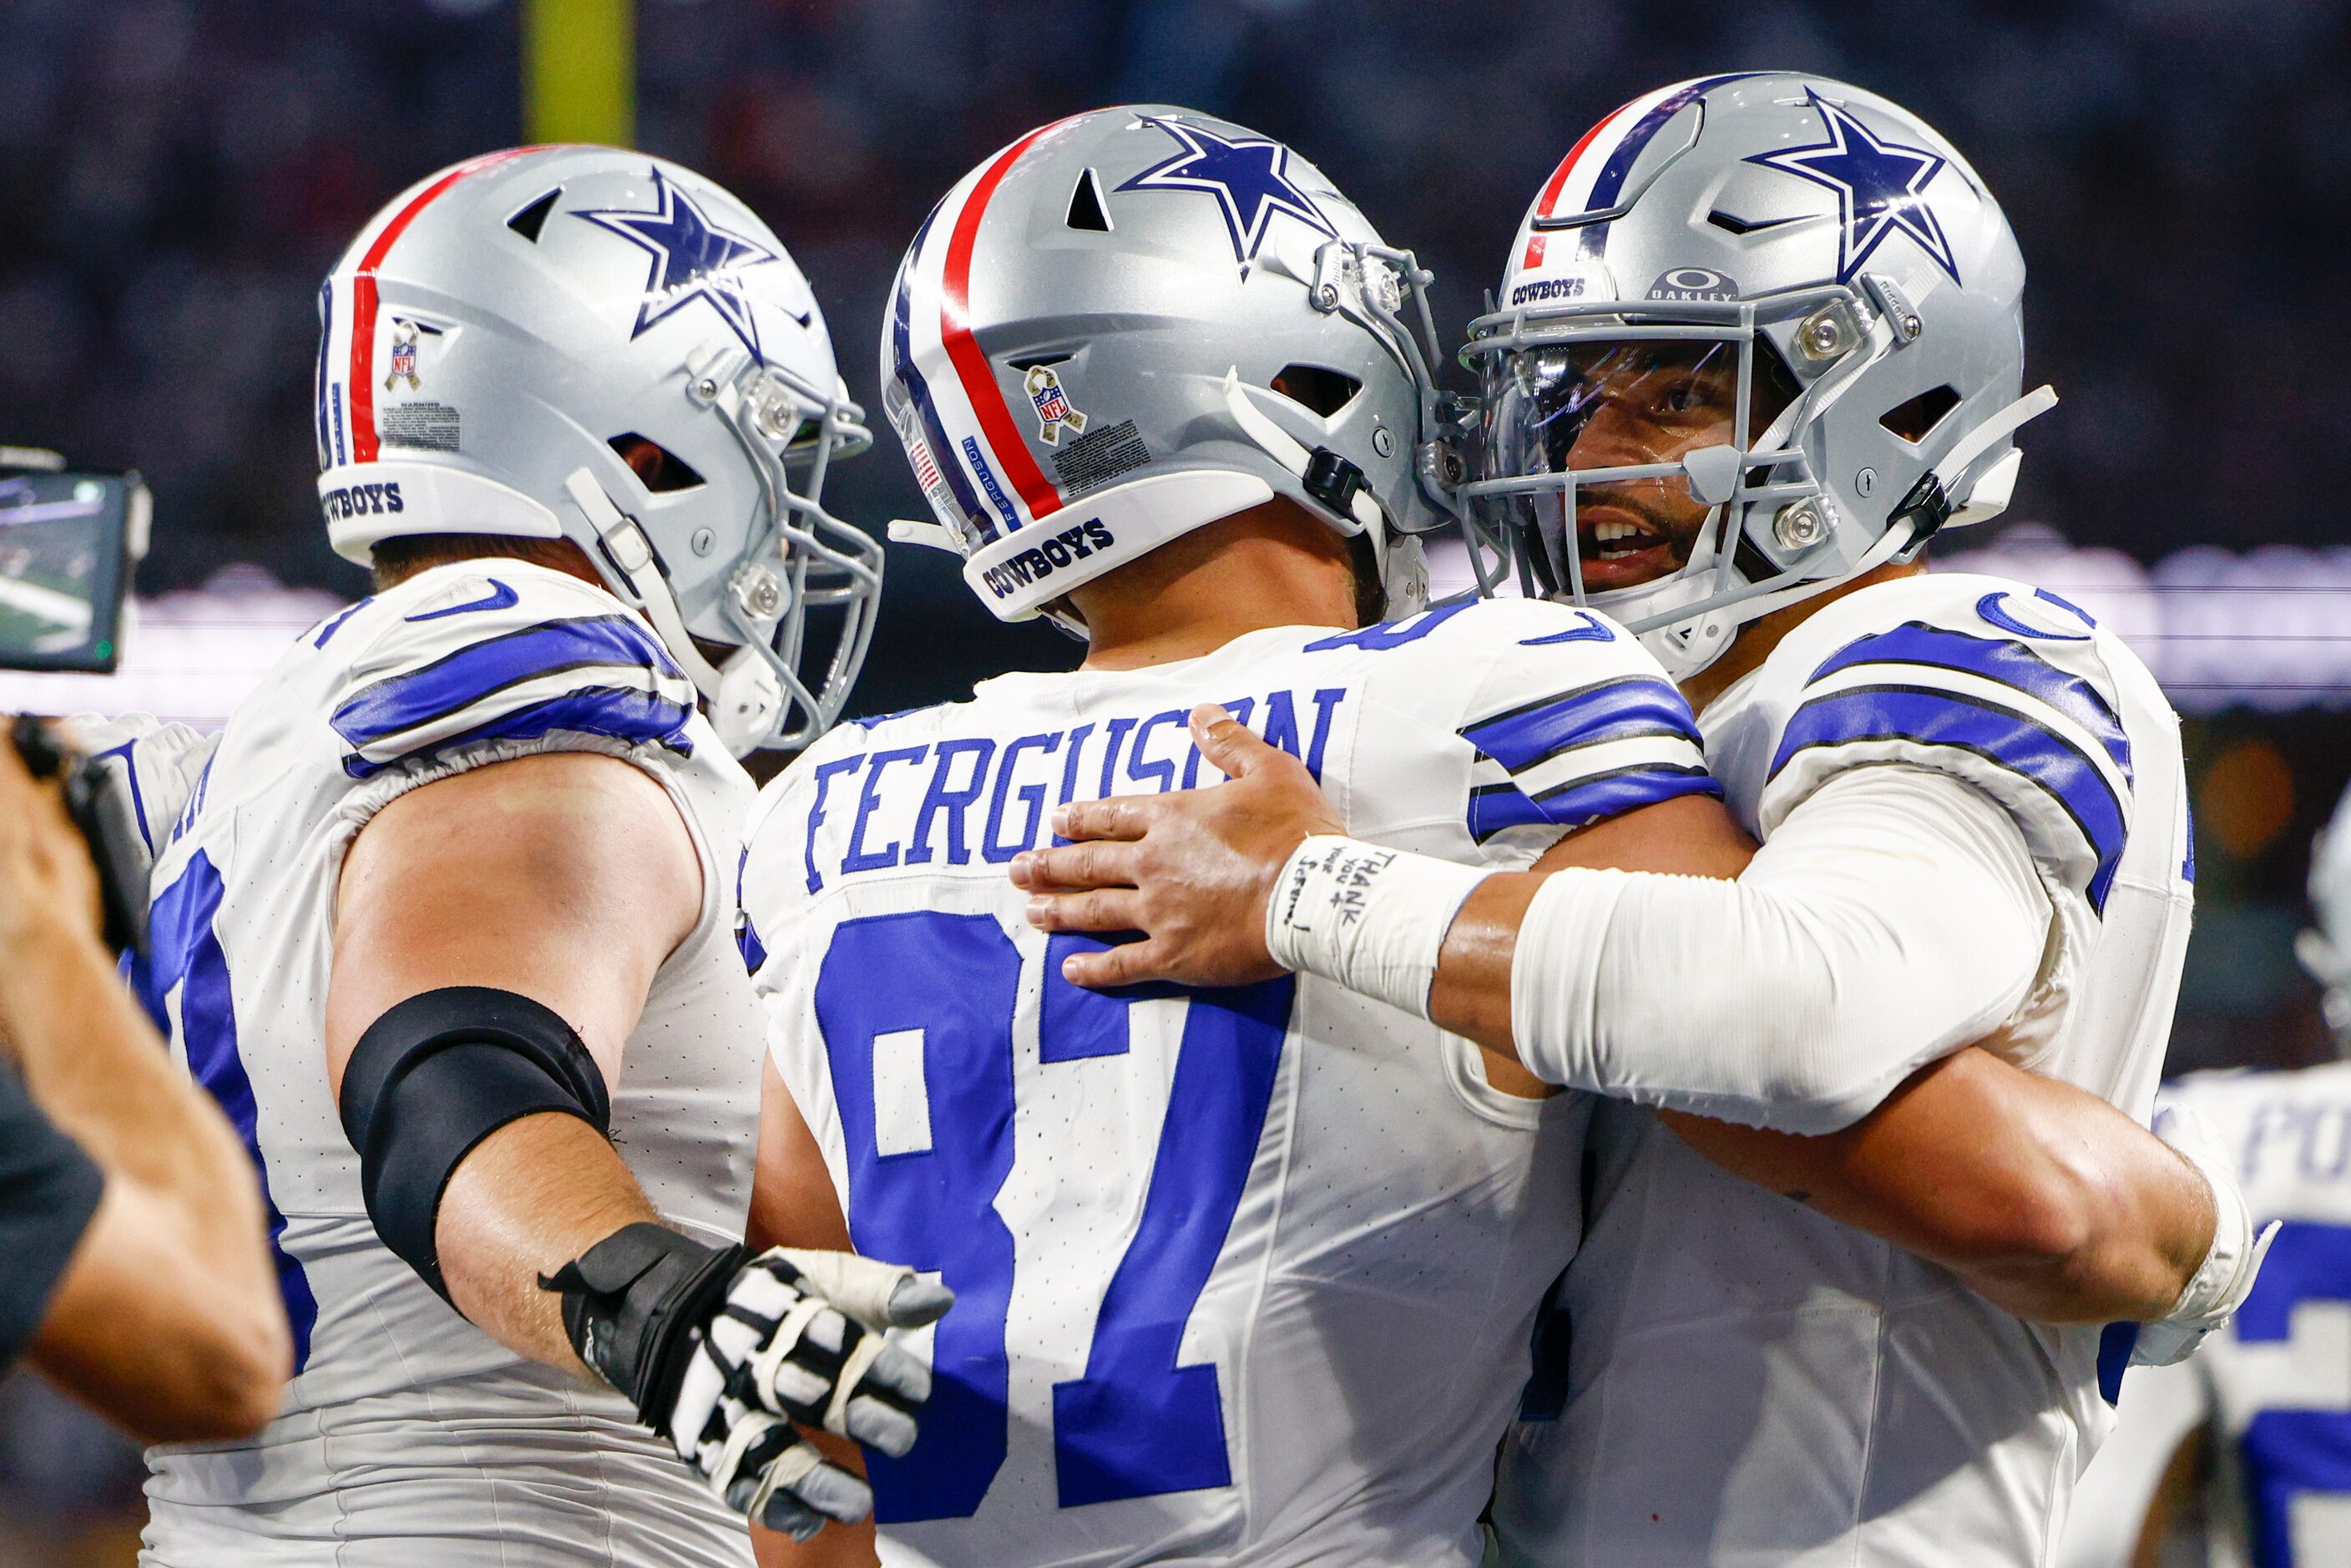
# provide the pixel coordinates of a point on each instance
(1607, 461)
(970, 527)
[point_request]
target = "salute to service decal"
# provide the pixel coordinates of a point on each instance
(1054, 409)
(404, 357)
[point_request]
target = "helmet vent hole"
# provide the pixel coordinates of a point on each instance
(1086, 206)
(1324, 391)
(1731, 222)
(1916, 419)
(533, 218)
(656, 468)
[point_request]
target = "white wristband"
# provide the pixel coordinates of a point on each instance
(2232, 1262)
(1370, 917)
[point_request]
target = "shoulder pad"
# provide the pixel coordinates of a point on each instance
(503, 652)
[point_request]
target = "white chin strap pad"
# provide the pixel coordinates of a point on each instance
(930, 536)
(748, 700)
(642, 583)
(1979, 441)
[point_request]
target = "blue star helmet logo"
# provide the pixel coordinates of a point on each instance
(1880, 187)
(692, 259)
(1249, 177)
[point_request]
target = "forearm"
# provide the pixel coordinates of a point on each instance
(2141, 1221)
(196, 1319)
(2044, 1198)
(146, 1329)
(530, 1198)
(1888, 922)
(98, 1068)
(1470, 994)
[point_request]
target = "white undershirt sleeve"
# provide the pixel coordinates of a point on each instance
(1894, 917)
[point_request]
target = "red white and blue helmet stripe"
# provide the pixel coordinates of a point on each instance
(1588, 186)
(347, 369)
(965, 418)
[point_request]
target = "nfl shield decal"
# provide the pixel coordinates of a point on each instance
(404, 357)
(1054, 409)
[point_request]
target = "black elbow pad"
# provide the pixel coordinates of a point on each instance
(434, 1076)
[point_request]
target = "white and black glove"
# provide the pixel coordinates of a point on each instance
(723, 1352)
(2234, 1260)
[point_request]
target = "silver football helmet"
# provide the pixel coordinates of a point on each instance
(584, 343)
(1759, 333)
(1132, 322)
(2325, 950)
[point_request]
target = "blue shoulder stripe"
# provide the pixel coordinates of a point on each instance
(478, 670)
(2010, 663)
(1928, 716)
(622, 713)
(1582, 802)
(1618, 709)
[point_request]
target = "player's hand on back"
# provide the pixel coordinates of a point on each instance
(1192, 871)
(724, 1352)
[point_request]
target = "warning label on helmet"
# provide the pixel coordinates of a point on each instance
(1096, 459)
(425, 426)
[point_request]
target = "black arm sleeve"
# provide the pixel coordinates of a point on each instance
(48, 1190)
(434, 1076)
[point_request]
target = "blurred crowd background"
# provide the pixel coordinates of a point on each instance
(178, 174)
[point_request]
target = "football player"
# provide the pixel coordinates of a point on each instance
(1245, 1273)
(446, 921)
(2250, 1434)
(1759, 342)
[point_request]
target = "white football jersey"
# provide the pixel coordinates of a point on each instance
(408, 1435)
(1748, 1383)
(1245, 1275)
(2274, 1388)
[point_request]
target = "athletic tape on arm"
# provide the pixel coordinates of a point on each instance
(1371, 918)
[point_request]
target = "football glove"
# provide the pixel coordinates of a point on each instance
(723, 1352)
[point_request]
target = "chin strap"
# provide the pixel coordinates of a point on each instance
(1927, 509)
(931, 536)
(626, 547)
